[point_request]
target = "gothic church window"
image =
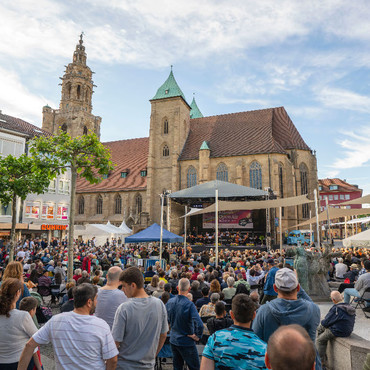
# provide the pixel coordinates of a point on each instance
(166, 151)
(78, 91)
(165, 127)
(118, 205)
(138, 204)
(191, 177)
(222, 172)
(281, 185)
(304, 187)
(81, 205)
(255, 175)
(99, 205)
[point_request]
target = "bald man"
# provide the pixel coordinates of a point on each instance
(338, 322)
(290, 347)
(110, 297)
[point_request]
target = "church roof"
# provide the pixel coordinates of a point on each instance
(18, 125)
(195, 111)
(129, 156)
(245, 133)
(169, 89)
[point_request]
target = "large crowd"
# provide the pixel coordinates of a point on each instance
(125, 310)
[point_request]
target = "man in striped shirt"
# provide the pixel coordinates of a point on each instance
(80, 341)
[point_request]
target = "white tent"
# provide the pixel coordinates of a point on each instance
(101, 232)
(361, 240)
(125, 228)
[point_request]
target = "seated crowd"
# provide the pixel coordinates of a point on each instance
(249, 312)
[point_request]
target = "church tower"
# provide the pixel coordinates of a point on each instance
(169, 127)
(74, 114)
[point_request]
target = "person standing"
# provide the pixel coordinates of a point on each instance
(186, 328)
(110, 297)
(81, 341)
(140, 325)
(268, 289)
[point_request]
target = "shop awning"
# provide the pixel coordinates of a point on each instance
(256, 204)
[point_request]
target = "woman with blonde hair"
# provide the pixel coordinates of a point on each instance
(153, 286)
(15, 270)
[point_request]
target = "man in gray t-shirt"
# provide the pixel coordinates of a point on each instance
(110, 297)
(140, 325)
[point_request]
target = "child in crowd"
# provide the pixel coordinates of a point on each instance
(29, 304)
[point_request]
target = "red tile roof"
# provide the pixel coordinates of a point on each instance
(131, 155)
(20, 126)
(342, 185)
(254, 132)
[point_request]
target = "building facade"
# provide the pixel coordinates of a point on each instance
(43, 215)
(261, 149)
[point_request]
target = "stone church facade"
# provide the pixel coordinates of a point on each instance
(261, 149)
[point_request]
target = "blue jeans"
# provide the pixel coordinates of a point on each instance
(189, 354)
(350, 292)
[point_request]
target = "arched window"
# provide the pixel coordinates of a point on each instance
(85, 130)
(99, 205)
(138, 204)
(304, 187)
(166, 151)
(64, 127)
(222, 172)
(118, 205)
(191, 177)
(165, 127)
(78, 91)
(81, 205)
(255, 175)
(281, 185)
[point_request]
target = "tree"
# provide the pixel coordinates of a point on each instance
(85, 156)
(20, 176)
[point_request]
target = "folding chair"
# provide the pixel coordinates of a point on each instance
(361, 303)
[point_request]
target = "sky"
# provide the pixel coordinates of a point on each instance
(312, 57)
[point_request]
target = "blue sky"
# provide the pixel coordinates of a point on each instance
(312, 57)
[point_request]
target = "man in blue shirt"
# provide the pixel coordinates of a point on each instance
(268, 289)
(186, 328)
(236, 347)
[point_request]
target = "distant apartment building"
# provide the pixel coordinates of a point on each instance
(40, 215)
(338, 191)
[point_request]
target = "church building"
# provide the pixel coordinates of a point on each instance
(260, 149)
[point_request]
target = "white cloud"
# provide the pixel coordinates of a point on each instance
(16, 100)
(356, 149)
(343, 99)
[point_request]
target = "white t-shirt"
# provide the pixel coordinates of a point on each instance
(15, 331)
(80, 341)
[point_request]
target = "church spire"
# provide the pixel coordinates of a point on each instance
(79, 55)
(195, 111)
(169, 89)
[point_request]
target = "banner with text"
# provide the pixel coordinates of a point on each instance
(229, 220)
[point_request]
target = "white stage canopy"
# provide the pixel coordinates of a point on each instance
(361, 240)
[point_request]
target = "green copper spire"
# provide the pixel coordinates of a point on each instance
(169, 89)
(204, 145)
(195, 112)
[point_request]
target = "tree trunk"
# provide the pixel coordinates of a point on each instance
(12, 231)
(71, 223)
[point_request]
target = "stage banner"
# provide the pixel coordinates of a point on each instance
(229, 220)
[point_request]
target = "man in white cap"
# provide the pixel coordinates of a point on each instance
(287, 309)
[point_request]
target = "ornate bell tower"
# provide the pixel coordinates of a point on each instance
(74, 114)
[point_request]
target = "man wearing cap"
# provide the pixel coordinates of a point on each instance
(268, 289)
(287, 309)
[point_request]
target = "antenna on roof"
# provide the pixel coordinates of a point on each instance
(171, 67)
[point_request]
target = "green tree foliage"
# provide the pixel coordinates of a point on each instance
(20, 176)
(85, 156)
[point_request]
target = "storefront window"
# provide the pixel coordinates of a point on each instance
(62, 213)
(48, 211)
(32, 210)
